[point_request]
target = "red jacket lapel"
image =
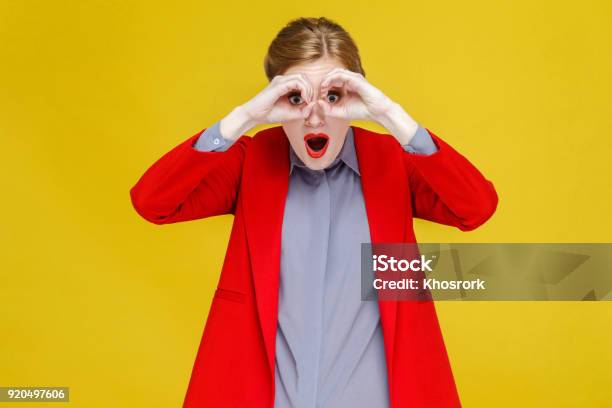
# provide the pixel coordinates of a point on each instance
(265, 185)
(386, 196)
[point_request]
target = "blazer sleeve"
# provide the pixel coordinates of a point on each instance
(446, 188)
(187, 184)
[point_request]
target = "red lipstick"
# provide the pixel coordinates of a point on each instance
(316, 144)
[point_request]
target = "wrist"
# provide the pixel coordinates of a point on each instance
(397, 121)
(236, 123)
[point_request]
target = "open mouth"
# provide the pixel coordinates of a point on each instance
(316, 144)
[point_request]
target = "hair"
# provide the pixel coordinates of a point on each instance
(307, 39)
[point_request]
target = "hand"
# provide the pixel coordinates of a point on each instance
(358, 99)
(272, 105)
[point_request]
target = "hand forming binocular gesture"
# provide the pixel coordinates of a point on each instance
(342, 94)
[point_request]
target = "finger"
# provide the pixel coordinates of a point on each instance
(337, 71)
(327, 77)
(340, 111)
(333, 72)
(309, 86)
(326, 107)
(308, 109)
(306, 91)
(285, 114)
(351, 82)
(292, 85)
(335, 78)
(329, 110)
(333, 83)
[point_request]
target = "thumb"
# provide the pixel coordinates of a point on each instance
(325, 107)
(307, 109)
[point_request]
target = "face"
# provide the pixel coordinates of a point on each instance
(316, 139)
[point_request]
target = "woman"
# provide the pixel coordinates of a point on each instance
(287, 326)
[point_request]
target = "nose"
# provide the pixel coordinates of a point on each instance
(316, 118)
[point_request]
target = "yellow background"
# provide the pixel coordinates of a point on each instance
(93, 92)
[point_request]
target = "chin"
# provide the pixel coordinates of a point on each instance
(317, 164)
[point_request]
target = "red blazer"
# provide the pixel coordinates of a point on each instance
(234, 365)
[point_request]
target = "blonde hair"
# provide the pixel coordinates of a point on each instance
(308, 39)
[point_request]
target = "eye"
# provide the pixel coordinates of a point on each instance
(295, 98)
(333, 96)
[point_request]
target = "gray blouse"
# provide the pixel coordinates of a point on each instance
(329, 343)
